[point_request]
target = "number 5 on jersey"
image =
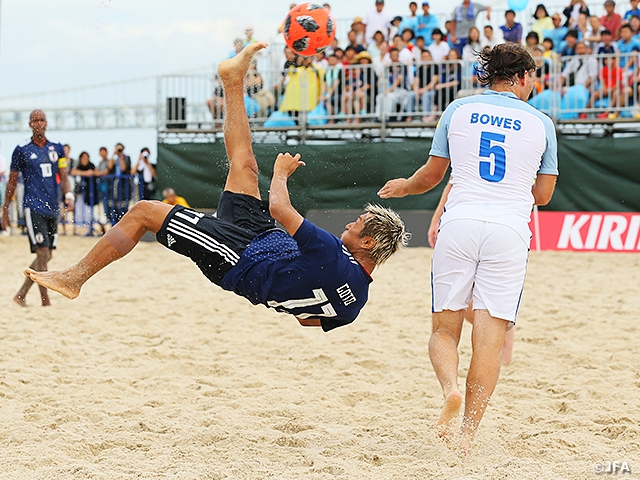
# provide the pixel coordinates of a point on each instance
(499, 156)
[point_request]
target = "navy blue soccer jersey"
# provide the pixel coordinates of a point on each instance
(39, 167)
(309, 275)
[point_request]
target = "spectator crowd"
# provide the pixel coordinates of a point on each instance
(411, 67)
(104, 190)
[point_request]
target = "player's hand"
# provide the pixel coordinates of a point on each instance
(287, 164)
(68, 205)
(432, 235)
(393, 189)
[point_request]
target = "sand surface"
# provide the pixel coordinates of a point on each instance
(155, 373)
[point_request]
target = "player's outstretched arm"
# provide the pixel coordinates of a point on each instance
(432, 234)
(8, 196)
(279, 202)
(423, 180)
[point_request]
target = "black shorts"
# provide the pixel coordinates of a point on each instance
(216, 242)
(42, 230)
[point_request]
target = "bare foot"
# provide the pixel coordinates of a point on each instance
(60, 282)
(20, 300)
(235, 69)
(463, 446)
(450, 411)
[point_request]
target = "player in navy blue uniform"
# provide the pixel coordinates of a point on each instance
(41, 163)
(303, 271)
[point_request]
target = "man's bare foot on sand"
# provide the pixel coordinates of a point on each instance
(20, 300)
(235, 69)
(62, 282)
(450, 411)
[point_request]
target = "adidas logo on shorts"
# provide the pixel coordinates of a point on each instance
(170, 240)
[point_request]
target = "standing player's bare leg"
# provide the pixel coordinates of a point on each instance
(487, 338)
(243, 168)
(443, 352)
(507, 346)
(43, 255)
(145, 216)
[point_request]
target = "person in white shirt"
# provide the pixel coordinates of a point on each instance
(377, 20)
(503, 157)
(491, 37)
(438, 48)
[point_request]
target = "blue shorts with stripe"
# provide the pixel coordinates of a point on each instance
(216, 242)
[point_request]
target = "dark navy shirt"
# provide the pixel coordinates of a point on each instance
(309, 275)
(39, 167)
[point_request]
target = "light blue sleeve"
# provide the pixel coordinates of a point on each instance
(440, 143)
(549, 164)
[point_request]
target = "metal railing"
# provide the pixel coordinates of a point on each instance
(99, 201)
(576, 88)
(311, 97)
(306, 95)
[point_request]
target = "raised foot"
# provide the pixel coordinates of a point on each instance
(450, 411)
(57, 281)
(236, 68)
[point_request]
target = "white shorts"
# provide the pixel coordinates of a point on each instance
(480, 261)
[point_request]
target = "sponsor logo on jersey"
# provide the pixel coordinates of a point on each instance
(53, 156)
(33, 156)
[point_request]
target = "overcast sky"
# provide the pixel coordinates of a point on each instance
(51, 44)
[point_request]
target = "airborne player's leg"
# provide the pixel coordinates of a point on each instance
(243, 168)
(145, 216)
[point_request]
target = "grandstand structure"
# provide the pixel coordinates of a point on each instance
(176, 106)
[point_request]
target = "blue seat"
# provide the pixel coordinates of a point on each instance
(279, 119)
(546, 101)
(574, 102)
(318, 116)
(251, 106)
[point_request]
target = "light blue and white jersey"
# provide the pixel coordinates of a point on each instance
(497, 145)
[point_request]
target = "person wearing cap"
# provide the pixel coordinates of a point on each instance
(558, 32)
(375, 20)
(364, 87)
(395, 26)
(611, 20)
(542, 21)
(411, 20)
(464, 17)
(426, 23)
(358, 26)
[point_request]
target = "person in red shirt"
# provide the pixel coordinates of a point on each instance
(611, 78)
(611, 20)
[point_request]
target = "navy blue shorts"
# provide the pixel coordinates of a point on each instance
(42, 230)
(216, 242)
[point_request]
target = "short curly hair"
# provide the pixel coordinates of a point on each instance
(504, 62)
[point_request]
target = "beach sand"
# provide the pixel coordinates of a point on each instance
(153, 373)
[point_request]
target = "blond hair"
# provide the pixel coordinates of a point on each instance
(387, 228)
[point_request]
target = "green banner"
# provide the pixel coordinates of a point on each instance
(596, 174)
